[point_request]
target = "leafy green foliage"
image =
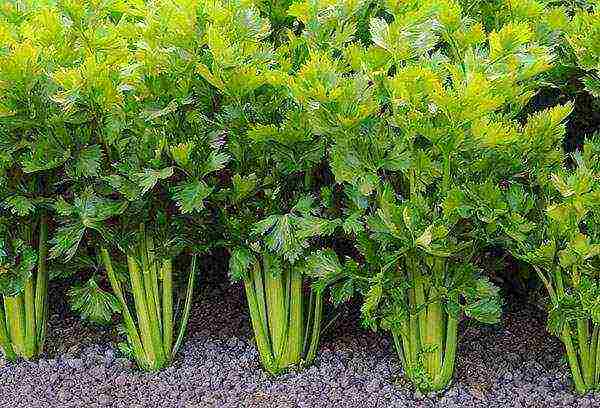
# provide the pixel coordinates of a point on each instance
(355, 147)
(92, 302)
(583, 37)
(17, 261)
(553, 226)
(413, 116)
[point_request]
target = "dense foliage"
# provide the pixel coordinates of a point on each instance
(336, 149)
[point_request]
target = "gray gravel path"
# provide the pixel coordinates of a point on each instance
(515, 364)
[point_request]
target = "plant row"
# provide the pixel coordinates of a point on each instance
(335, 148)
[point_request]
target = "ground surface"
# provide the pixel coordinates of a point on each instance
(515, 364)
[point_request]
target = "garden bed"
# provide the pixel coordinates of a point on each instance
(513, 364)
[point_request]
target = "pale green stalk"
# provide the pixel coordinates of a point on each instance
(316, 330)
(275, 308)
(153, 266)
(5, 342)
(139, 297)
(41, 285)
(29, 317)
(261, 301)
(295, 334)
(578, 379)
(15, 322)
(308, 321)
(582, 340)
(187, 307)
(167, 304)
(449, 354)
(260, 332)
(435, 320)
(130, 326)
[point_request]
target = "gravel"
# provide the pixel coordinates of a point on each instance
(513, 364)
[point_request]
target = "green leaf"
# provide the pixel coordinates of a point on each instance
(324, 264)
(149, 177)
(19, 205)
(353, 224)
(87, 162)
(17, 261)
(484, 303)
(66, 240)
(424, 241)
(92, 302)
(190, 196)
(125, 187)
(243, 186)
(240, 262)
(342, 292)
(216, 161)
(182, 153)
(592, 84)
(371, 301)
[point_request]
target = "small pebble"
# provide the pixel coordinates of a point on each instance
(218, 366)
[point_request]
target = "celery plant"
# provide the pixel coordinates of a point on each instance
(272, 217)
(284, 277)
(583, 36)
(38, 156)
(568, 265)
(151, 339)
(411, 118)
(285, 319)
(155, 163)
(543, 209)
(23, 284)
(551, 222)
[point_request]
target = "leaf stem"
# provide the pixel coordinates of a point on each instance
(187, 307)
(130, 327)
(167, 305)
(41, 285)
(5, 342)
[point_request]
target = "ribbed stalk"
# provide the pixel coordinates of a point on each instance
(167, 305)
(153, 266)
(420, 305)
(23, 316)
(427, 341)
(445, 376)
(296, 323)
(130, 327)
(593, 352)
(286, 333)
(316, 328)
(435, 321)
(573, 360)
(41, 285)
(29, 316)
(584, 350)
(149, 283)
(15, 320)
(275, 297)
(151, 333)
(258, 287)
(189, 292)
(260, 331)
(577, 362)
(141, 308)
(5, 342)
(400, 347)
(148, 276)
(584, 364)
(413, 331)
